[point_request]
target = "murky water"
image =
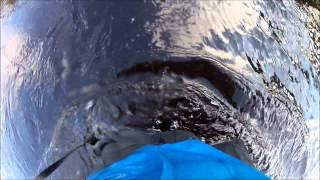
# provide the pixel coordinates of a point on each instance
(220, 69)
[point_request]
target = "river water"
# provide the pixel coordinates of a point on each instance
(220, 69)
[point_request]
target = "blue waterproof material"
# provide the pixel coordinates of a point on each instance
(190, 159)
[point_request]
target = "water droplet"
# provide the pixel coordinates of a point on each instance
(132, 20)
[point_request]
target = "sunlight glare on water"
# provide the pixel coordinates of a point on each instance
(219, 69)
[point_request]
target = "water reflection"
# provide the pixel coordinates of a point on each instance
(221, 69)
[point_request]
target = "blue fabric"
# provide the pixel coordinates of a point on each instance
(189, 159)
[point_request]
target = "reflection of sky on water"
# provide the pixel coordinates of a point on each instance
(235, 27)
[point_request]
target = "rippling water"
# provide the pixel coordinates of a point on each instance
(220, 69)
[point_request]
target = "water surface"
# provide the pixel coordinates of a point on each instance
(220, 69)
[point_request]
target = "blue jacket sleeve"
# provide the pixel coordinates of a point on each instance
(190, 159)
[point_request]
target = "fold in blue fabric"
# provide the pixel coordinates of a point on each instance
(190, 159)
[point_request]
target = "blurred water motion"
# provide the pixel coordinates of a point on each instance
(220, 69)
